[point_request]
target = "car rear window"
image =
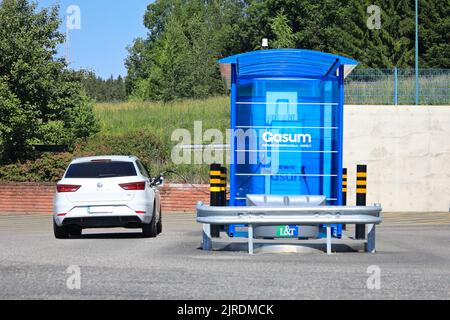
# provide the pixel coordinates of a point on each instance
(105, 169)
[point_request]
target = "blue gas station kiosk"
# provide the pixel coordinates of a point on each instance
(292, 101)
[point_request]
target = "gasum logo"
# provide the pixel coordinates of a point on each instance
(269, 137)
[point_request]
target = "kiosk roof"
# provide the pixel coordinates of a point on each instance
(289, 63)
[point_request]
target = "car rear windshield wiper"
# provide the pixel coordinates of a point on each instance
(107, 175)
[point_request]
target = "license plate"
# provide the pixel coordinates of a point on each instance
(101, 209)
(287, 232)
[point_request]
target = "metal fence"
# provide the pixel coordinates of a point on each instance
(397, 87)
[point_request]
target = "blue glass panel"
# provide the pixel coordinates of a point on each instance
(288, 138)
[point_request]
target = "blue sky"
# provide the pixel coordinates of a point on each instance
(107, 28)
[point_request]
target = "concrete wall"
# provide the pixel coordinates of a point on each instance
(407, 150)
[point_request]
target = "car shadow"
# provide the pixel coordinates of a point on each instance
(286, 247)
(119, 235)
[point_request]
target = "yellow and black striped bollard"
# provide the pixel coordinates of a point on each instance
(361, 198)
(344, 187)
(215, 181)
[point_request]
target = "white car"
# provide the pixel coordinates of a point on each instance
(107, 192)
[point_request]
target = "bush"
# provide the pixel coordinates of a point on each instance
(50, 167)
(143, 144)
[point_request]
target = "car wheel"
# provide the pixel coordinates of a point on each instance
(159, 226)
(60, 232)
(150, 230)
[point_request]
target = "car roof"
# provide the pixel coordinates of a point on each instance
(112, 158)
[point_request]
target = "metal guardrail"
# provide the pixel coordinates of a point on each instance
(301, 215)
(295, 215)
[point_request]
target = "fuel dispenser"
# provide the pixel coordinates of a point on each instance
(287, 125)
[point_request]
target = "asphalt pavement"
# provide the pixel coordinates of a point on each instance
(413, 262)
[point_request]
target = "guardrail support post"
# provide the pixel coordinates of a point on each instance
(329, 252)
(250, 239)
(206, 238)
(370, 245)
(361, 198)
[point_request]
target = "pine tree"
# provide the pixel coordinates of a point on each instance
(284, 37)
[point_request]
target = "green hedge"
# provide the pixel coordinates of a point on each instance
(49, 167)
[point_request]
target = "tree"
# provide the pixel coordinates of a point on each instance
(284, 37)
(169, 75)
(434, 34)
(100, 90)
(179, 58)
(41, 102)
(206, 30)
(136, 64)
(340, 26)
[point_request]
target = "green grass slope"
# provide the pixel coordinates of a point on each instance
(145, 129)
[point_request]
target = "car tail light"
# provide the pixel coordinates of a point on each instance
(133, 186)
(141, 212)
(67, 188)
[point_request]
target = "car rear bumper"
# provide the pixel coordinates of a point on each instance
(118, 212)
(104, 222)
